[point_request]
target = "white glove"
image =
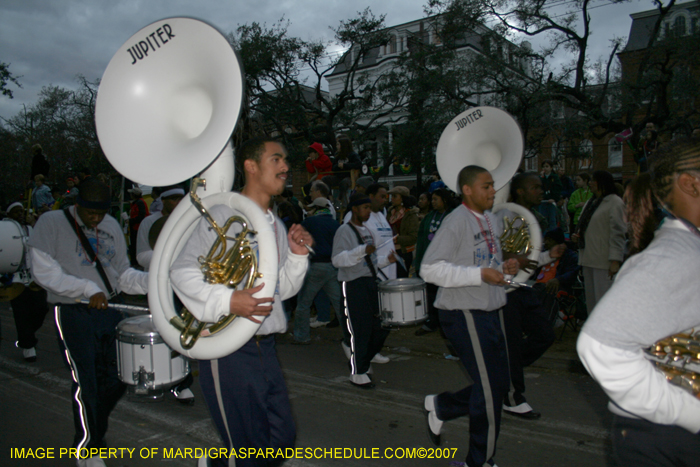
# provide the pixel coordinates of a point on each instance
(125, 216)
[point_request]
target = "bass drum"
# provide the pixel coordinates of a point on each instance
(12, 246)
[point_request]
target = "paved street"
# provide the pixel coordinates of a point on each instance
(35, 410)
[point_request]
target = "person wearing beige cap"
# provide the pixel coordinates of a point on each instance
(404, 221)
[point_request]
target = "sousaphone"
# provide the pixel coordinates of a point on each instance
(166, 108)
(491, 138)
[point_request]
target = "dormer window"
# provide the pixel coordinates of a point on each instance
(391, 46)
(679, 24)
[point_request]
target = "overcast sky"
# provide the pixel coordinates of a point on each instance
(50, 42)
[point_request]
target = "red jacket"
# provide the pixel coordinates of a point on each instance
(323, 164)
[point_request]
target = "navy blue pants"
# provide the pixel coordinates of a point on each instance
(529, 334)
(478, 339)
(248, 400)
(646, 444)
(89, 338)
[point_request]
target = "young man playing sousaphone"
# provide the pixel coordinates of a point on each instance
(245, 391)
(466, 262)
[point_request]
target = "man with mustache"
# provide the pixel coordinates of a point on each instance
(245, 390)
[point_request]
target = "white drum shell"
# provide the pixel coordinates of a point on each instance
(139, 346)
(403, 302)
(12, 241)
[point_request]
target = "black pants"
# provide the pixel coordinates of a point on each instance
(529, 334)
(89, 337)
(433, 321)
(29, 309)
(646, 444)
(364, 323)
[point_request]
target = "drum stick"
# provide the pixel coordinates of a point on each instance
(390, 240)
(517, 284)
(129, 309)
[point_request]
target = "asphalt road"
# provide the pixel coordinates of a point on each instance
(337, 424)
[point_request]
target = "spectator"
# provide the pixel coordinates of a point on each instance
(404, 223)
(441, 203)
(346, 160)
(57, 195)
(321, 274)
(42, 200)
(579, 197)
(647, 145)
(551, 186)
(321, 190)
(436, 183)
(40, 165)
(567, 186)
(318, 164)
(561, 273)
(601, 237)
(71, 192)
(424, 202)
(139, 211)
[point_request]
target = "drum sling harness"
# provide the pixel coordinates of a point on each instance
(367, 257)
(89, 251)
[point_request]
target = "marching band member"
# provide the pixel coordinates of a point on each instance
(354, 255)
(465, 261)
(169, 199)
(245, 390)
(29, 308)
(84, 256)
(654, 296)
(524, 312)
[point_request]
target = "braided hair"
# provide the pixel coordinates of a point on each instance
(648, 193)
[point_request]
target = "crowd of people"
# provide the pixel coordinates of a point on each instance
(344, 236)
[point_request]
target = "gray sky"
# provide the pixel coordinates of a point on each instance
(50, 42)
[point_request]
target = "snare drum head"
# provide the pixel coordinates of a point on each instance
(405, 284)
(12, 239)
(138, 330)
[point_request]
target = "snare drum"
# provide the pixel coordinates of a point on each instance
(12, 240)
(144, 360)
(403, 301)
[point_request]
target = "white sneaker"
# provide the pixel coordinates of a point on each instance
(434, 423)
(379, 358)
(318, 324)
(91, 462)
(29, 354)
(184, 396)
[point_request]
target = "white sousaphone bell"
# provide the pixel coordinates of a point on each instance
(166, 107)
(490, 138)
